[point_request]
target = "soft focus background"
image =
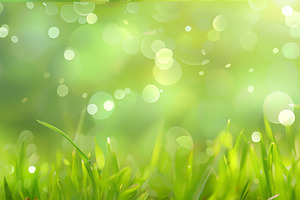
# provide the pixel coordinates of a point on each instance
(134, 69)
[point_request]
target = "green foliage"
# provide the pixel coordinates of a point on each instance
(236, 170)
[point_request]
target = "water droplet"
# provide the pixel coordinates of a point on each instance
(228, 65)
(84, 95)
(9, 169)
(109, 105)
(275, 50)
(3, 32)
(133, 7)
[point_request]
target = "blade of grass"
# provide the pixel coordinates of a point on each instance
(65, 136)
(8, 195)
(245, 190)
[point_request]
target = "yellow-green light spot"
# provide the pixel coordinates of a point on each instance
(287, 10)
(220, 23)
(30, 5)
(151, 93)
(69, 54)
(286, 117)
(290, 50)
(91, 18)
(92, 109)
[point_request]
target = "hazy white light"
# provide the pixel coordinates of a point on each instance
(14, 39)
(201, 73)
(108, 105)
(251, 70)
(91, 18)
(119, 94)
(275, 50)
(228, 65)
(286, 117)
(287, 10)
(127, 90)
(188, 28)
(164, 55)
(151, 93)
(62, 90)
(3, 32)
(255, 136)
(53, 32)
(31, 169)
(69, 54)
(29, 5)
(84, 95)
(250, 89)
(92, 109)
(290, 50)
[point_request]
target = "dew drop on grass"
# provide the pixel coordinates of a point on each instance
(286, 117)
(62, 90)
(31, 169)
(255, 136)
(151, 93)
(53, 32)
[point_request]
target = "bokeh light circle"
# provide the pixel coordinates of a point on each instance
(290, 50)
(168, 77)
(220, 23)
(53, 32)
(275, 103)
(104, 103)
(255, 136)
(286, 117)
(151, 93)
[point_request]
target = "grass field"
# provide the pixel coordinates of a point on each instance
(233, 167)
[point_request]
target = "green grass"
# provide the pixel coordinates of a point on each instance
(237, 169)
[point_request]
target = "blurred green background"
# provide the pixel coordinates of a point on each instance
(138, 68)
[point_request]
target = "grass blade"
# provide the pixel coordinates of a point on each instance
(8, 195)
(65, 136)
